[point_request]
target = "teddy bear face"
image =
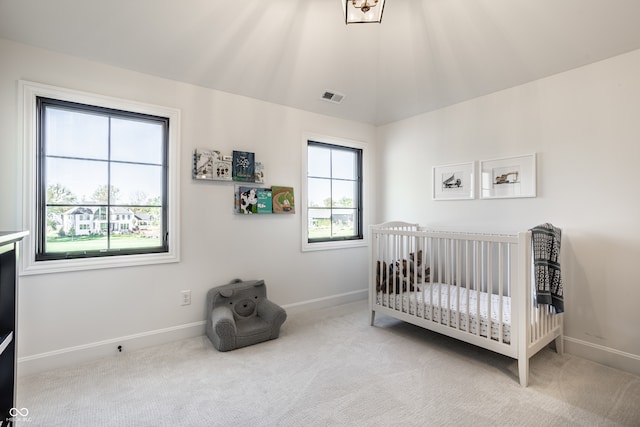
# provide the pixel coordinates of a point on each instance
(244, 308)
(242, 298)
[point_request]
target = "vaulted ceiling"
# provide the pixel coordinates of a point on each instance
(425, 54)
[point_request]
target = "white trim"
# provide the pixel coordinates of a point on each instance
(27, 99)
(305, 245)
(324, 302)
(69, 356)
(608, 356)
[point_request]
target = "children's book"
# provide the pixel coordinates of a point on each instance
(259, 172)
(203, 163)
(243, 166)
(283, 201)
(248, 198)
(222, 170)
(265, 201)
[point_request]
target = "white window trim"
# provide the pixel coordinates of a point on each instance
(28, 93)
(343, 244)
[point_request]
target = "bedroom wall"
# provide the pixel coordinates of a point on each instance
(584, 126)
(71, 317)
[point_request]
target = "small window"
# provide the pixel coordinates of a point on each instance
(334, 195)
(99, 172)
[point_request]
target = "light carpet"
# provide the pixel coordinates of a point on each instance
(330, 368)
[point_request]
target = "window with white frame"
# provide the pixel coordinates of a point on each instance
(102, 178)
(334, 194)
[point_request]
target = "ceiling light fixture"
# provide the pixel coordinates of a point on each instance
(363, 11)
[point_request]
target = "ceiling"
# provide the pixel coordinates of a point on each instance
(426, 54)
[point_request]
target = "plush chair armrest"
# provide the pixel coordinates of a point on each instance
(273, 314)
(222, 313)
(224, 325)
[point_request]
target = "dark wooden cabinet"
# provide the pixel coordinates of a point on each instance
(8, 319)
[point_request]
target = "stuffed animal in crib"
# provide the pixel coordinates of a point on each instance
(402, 272)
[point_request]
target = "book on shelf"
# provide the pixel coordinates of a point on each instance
(222, 170)
(243, 166)
(283, 200)
(203, 163)
(265, 201)
(259, 172)
(247, 200)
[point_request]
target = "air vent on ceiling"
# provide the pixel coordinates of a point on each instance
(334, 97)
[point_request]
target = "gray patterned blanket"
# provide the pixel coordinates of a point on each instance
(545, 240)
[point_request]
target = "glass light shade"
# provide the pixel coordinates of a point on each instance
(356, 15)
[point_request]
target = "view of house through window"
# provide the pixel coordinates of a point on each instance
(334, 192)
(102, 180)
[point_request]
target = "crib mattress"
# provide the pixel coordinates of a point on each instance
(418, 303)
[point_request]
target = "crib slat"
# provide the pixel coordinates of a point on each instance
(488, 263)
(449, 280)
(432, 263)
(468, 261)
(501, 300)
(458, 280)
(479, 247)
(436, 302)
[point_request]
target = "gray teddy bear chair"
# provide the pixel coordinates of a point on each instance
(239, 314)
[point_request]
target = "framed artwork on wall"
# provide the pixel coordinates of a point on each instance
(508, 177)
(454, 182)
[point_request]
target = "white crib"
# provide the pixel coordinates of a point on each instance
(474, 287)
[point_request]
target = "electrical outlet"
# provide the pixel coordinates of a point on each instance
(186, 297)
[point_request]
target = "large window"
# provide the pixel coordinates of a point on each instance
(101, 181)
(102, 190)
(334, 194)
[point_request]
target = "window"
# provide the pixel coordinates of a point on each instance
(333, 210)
(102, 177)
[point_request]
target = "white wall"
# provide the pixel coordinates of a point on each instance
(584, 126)
(70, 317)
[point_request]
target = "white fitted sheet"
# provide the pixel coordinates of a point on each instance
(449, 309)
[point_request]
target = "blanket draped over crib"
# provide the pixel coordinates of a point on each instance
(545, 242)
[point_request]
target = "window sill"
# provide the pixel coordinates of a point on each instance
(31, 267)
(325, 246)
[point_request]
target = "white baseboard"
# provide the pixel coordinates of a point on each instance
(70, 356)
(604, 355)
(330, 301)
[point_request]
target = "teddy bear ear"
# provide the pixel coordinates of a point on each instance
(227, 293)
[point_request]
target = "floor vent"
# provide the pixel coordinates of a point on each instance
(334, 97)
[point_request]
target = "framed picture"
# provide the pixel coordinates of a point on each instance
(508, 177)
(453, 182)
